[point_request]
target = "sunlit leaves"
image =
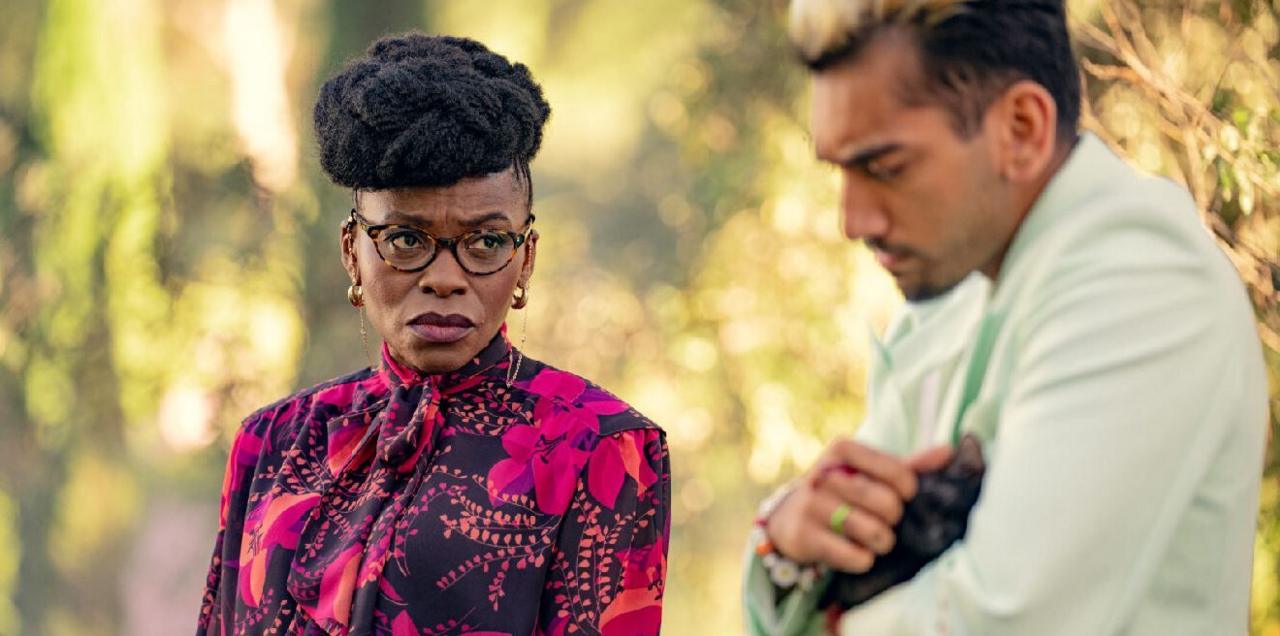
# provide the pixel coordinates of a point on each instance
(168, 248)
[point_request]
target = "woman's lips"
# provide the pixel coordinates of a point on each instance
(438, 329)
(437, 334)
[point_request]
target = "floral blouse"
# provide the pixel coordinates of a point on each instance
(392, 503)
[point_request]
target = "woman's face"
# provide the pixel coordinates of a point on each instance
(439, 318)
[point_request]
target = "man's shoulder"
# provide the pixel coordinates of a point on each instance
(1141, 232)
(1127, 268)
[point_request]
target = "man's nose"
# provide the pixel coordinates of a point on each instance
(863, 215)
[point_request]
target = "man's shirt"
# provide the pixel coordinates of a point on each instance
(1114, 375)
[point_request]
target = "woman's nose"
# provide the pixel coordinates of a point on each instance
(444, 276)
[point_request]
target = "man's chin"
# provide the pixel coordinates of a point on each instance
(925, 292)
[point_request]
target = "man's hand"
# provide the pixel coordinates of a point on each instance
(873, 484)
(932, 521)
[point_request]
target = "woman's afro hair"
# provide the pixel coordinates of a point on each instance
(423, 110)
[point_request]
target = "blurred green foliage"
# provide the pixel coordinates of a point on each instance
(168, 256)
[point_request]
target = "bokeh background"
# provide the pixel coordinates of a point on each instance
(168, 255)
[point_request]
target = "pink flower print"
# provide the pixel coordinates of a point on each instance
(548, 467)
(605, 476)
(634, 611)
(339, 395)
(557, 420)
(403, 626)
(514, 476)
(569, 388)
(244, 457)
(645, 565)
(556, 384)
(555, 476)
(343, 441)
(615, 458)
(337, 587)
(631, 449)
(638, 608)
(549, 456)
(275, 523)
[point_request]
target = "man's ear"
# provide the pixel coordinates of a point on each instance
(1022, 125)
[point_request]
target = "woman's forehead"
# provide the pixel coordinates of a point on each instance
(495, 196)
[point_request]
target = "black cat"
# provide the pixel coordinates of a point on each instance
(937, 517)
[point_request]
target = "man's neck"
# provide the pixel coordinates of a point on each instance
(1025, 200)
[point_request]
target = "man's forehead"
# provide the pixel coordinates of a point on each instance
(857, 103)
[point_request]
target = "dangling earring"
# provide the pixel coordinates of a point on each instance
(355, 296)
(364, 339)
(516, 356)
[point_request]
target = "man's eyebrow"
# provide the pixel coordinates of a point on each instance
(862, 158)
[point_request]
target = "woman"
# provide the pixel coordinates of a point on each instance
(457, 487)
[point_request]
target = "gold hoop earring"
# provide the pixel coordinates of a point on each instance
(355, 295)
(520, 300)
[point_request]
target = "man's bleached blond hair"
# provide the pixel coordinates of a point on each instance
(969, 51)
(822, 27)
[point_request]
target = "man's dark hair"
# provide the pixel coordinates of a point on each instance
(421, 110)
(971, 51)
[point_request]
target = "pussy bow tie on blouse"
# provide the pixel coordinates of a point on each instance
(335, 563)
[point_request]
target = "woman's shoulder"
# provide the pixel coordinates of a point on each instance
(573, 392)
(346, 393)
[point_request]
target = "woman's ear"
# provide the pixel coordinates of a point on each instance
(347, 245)
(530, 256)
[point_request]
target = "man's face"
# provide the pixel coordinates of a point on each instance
(930, 203)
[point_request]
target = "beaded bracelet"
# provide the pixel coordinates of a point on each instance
(783, 572)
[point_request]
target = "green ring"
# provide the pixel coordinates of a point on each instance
(837, 518)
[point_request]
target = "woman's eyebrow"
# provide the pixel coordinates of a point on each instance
(485, 218)
(397, 217)
(403, 218)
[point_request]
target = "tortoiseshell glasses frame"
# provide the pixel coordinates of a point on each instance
(479, 252)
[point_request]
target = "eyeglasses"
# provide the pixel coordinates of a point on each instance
(409, 249)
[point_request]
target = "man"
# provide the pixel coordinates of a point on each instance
(1104, 352)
